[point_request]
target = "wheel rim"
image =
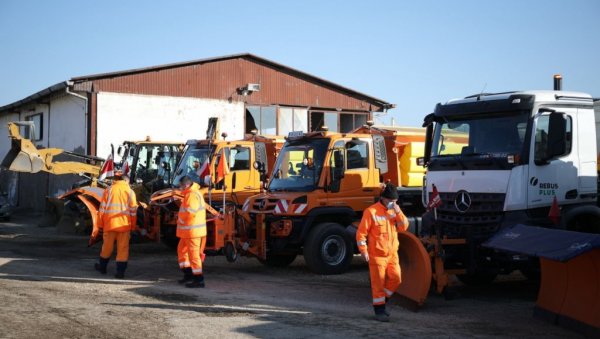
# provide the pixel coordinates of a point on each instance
(333, 250)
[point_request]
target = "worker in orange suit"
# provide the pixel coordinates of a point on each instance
(191, 231)
(377, 239)
(117, 218)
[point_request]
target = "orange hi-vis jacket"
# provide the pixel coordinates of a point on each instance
(118, 209)
(191, 220)
(378, 231)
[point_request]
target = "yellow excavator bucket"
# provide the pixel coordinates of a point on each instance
(21, 158)
(25, 157)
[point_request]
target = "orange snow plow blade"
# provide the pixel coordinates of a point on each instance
(415, 264)
(570, 292)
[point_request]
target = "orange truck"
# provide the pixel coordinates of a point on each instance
(248, 161)
(319, 187)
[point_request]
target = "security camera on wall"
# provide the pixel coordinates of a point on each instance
(253, 87)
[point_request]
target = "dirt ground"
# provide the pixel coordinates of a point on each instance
(48, 288)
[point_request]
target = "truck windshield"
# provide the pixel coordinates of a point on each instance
(191, 163)
(497, 134)
(299, 165)
(153, 162)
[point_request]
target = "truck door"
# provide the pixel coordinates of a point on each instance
(355, 188)
(551, 174)
(238, 158)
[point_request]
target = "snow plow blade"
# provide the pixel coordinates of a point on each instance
(569, 293)
(415, 265)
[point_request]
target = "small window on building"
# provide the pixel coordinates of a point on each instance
(38, 122)
(261, 118)
(352, 121)
(292, 119)
(329, 119)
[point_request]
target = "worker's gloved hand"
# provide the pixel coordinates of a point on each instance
(366, 256)
(93, 240)
(202, 256)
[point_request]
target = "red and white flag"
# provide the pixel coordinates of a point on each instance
(435, 200)
(203, 170)
(108, 168)
(126, 169)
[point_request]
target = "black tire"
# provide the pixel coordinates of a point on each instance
(279, 260)
(328, 249)
(477, 279)
(230, 253)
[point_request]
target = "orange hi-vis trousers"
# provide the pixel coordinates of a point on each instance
(188, 254)
(385, 277)
(108, 244)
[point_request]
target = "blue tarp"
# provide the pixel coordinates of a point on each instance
(542, 242)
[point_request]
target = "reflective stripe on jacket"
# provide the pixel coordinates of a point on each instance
(378, 231)
(191, 219)
(118, 208)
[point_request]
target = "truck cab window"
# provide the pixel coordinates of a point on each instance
(541, 137)
(357, 154)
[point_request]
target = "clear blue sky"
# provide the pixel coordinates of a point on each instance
(413, 54)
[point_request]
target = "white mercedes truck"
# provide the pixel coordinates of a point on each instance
(507, 158)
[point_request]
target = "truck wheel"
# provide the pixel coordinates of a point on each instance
(478, 278)
(279, 260)
(328, 249)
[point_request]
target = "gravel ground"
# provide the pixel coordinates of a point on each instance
(48, 288)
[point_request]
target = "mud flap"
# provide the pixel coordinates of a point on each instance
(415, 265)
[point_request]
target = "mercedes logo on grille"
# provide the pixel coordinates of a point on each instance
(462, 202)
(262, 204)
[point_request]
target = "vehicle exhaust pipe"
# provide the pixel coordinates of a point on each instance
(557, 82)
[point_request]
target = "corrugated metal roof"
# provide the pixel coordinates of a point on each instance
(266, 62)
(157, 81)
(45, 92)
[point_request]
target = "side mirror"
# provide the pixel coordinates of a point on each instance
(337, 169)
(119, 150)
(557, 135)
(428, 143)
(420, 161)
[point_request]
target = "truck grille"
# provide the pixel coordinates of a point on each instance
(481, 220)
(267, 206)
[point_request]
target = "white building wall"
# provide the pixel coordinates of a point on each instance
(8, 180)
(4, 142)
(67, 124)
(133, 117)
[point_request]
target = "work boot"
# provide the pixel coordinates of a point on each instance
(385, 309)
(198, 281)
(100, 266)
(380, 313)
(121, 267)
(187, 275)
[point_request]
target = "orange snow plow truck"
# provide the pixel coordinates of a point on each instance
(319, 187)
(247, 162)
